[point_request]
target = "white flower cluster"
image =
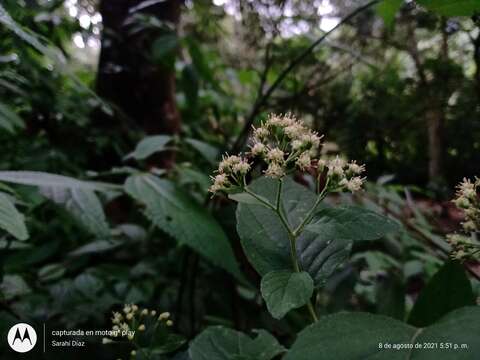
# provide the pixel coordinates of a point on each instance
(132, 319)
(343, 174)
(467, 199)
(231, 174)
(285, 144)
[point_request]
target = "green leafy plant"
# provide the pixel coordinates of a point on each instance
(289, 236)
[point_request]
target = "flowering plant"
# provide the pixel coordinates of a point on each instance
(292, 239)
(465, 246)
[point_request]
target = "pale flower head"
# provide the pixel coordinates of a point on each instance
(304, 161)
(227, 163)
(258, 149)
(356, 169)
(355, 184)
(275, 171)
(260, 133)
(297, 144)
(275, 155)
(294, 131)
(241, 167)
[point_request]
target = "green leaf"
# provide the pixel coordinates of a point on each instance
(220, 343)
(199, 61)
(285, 290)
(209, 152)
(452, 7)
(95, 247)
(390, 297)
(190, 85)
(164, 49)
(180, 216)
(449, 289)
(38, 178)
(149, 146)
(11, 220)
(351, 336)
(13, 286)
(351, 223)
(321, 256)
(9, 120)
(359, 336)
(85, 207)
(460, 327)
(246, 198)
(265, 239)
(387, 10)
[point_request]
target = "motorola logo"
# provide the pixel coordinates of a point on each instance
(22, 337)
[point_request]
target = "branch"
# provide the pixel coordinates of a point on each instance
(293, 64)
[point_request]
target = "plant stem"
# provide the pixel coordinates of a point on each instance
(292, 235)
(311, 310)
(311, 212)
(279, 193)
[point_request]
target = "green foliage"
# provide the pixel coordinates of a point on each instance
(264, 239)
(11, 220)
(286, 290)
(42, 179)
(448, 290)
(324, 245)
(86, 208)
(358, 335)
(89, 250)
(219, 343)
(351, 223)
(452, 7)
(9, 120)
(149, 145)
(387, 9)
(178, 215)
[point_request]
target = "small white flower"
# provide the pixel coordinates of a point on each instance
(469, 226)
(275, 155)
(274, 170)
(275, 120)
(321, 164)
(304, 161)
(294, 131)
(164, 316)
(260, 133)
(354, 168)
(242, 167)
(337, 162)
(220, 182)
(258, 149)
(335, 171)
(106, 341)
(355, 184)
(117, 318)
(297, 144)
(227, 163)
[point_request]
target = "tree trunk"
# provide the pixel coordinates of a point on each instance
(436, 113)
(435, 125)
(142, 92)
